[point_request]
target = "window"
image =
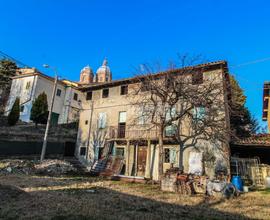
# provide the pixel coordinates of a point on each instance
(86, 122)
(265, 104)
(142, 116)
(170, 113)
(105, 93)
(122, 117)
(75, 96)
(124, 90)
(82, 151)
(197, 78)
(119, 151)
(102, 117)
(265, 115)
(58, 92)
(89, 95)
(169, 155)
(170, 130)
(28, 84)
(144, 88)
(22, 108)
(199, 113)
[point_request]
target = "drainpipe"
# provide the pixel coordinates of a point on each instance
(89, 131)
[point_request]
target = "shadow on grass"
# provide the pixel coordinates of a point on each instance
(104, 203)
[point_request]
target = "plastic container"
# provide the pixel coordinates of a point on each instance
(267, 182)
(237, 182)
(245, 189)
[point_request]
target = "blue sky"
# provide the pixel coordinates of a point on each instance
(70, 34)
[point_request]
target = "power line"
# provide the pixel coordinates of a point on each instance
(20, 63)
(251, 62)
(13, 59)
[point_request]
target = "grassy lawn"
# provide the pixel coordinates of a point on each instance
(39, 197)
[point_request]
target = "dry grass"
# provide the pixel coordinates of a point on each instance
(94, 198)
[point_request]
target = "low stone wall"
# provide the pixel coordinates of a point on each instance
(20, 148)
(29, 132)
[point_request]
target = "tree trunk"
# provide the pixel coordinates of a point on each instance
(181, 157)
(160, 161)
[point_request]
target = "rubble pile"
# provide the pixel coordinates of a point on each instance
(47, 167)
(16, 167)
(54, 167)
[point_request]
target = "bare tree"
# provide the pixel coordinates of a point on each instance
(98, 141)
(190, 107)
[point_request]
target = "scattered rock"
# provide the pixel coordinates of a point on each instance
(47, 167)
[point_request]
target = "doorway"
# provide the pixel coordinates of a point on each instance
(69, 149)
(141, 160)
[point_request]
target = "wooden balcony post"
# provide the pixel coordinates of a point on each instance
(148, 160)
(127, 156)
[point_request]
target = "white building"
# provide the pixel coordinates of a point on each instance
(30, 83)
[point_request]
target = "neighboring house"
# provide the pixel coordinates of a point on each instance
(30, 83)
(106, 117)
(266, 103)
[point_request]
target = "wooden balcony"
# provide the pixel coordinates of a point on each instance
(131, 132)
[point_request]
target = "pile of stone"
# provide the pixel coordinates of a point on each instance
(16, 167)
(47, 167)
(54, 167)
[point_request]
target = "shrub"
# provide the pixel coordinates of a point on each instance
(14, 114)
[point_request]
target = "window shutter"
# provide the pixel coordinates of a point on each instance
(122, 117)
(173, 155)
(102, 120)
(170, 112)
(141, 116)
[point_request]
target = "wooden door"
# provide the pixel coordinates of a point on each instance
(141, 163)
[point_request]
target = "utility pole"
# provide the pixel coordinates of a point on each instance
(49, 116)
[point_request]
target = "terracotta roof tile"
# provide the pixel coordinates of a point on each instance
(259, 139)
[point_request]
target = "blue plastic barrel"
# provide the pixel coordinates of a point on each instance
(237, 182)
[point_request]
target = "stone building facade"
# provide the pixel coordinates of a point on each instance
(107, 116)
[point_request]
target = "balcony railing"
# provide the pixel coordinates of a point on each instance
(130, 132)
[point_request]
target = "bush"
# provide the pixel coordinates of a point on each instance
(39, 111)
(14, 114)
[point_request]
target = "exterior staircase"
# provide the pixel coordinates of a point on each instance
(98, 167)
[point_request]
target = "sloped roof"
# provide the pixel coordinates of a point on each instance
(208, 65)
(255, 140)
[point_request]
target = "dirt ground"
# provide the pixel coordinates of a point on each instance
(40, 197)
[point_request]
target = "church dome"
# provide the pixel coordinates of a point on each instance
(86, 75)
(87, 69)
(104, 73)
